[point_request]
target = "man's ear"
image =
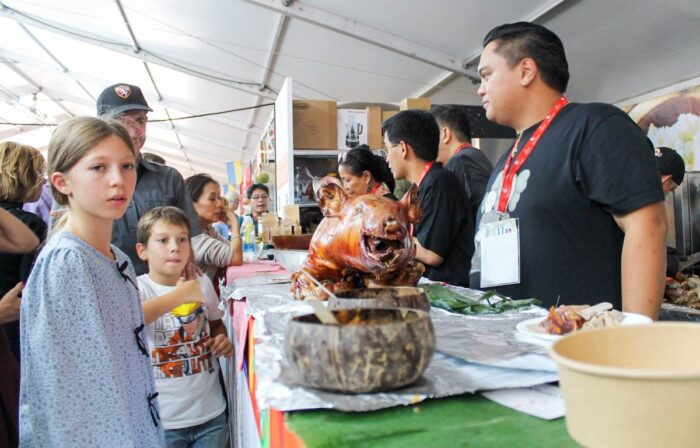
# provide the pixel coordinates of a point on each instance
(331, 199)
(446, 135)
(141, 252)
(528, 71)
(412, 204)
(403, 146)
(59, 181)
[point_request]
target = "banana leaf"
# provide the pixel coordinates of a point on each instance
(490, 302)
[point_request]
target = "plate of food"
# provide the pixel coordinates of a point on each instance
(565, 319)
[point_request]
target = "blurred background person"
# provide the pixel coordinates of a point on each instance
(259, 197)
(230, 201)
(458, 155)
(213, 253)
(672, 170)
(362, 172)
(16, 238)
(22, 171)
(42, 206)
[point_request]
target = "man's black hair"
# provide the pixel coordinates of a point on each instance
(455, 118)
(254, 187)
(417, 128)
(517, 41)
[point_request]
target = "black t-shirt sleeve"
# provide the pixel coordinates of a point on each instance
(616, 167)
(434, 231)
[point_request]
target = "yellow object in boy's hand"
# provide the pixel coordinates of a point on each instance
(185, 309)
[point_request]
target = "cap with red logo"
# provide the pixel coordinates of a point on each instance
(120, 98)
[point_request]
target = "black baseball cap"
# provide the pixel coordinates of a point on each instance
(670, 163)
(120, 98)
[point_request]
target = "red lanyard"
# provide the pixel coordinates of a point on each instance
(375, 188)
(425, 171)
(461, 147)
(509, 175)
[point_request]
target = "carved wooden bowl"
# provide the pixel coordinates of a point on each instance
(371, 350)
(389, 297)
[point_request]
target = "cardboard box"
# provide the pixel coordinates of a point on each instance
(374, 127)
(386, 114)
(315, 124)
(352, 128)
(415, 103)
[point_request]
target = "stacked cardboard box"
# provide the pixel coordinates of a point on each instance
(315, 124)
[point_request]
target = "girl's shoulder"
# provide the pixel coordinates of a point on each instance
(66, 251)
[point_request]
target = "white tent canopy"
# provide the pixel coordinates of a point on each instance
(209, 56)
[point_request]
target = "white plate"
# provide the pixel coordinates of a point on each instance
(531, 327)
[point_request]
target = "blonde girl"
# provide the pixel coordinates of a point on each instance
(86, 378)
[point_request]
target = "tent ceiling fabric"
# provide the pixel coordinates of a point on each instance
(215, 55)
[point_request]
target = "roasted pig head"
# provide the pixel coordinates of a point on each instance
(362, 241)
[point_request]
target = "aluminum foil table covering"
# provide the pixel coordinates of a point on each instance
(277, 387)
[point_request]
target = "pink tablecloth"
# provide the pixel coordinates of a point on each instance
(254, 268)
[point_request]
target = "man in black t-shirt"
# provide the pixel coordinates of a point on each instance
(458, 155)
(587, 196)
(672, 170)
(443, 235)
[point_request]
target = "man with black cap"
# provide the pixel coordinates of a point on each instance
(672, 169)
(156, 185)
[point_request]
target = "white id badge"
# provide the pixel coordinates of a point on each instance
(500, 253)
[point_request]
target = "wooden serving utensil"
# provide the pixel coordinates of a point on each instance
(322, 313)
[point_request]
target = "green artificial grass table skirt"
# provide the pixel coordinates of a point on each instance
(463, 421)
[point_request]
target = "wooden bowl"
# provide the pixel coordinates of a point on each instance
(371, 350)
(389, 297)
(292, 242)
(632, 386)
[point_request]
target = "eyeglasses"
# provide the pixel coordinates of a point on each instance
(386, 149)
(258, 198)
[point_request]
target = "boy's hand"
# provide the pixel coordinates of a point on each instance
(220, 346)
(190, 291)
(10, 303)
(191, 271)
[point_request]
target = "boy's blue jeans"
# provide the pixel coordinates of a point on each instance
(211, 434)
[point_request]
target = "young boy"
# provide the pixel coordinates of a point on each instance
(184, 331)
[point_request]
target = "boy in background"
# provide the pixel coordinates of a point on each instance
(185, 333)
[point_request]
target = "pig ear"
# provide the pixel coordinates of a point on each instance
(331, 199)
(412, 204)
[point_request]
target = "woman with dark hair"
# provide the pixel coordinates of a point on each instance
(362, 172)
(212, 252)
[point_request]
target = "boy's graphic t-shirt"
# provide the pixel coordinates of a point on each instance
(185, 371)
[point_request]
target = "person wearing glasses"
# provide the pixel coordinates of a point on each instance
(156, 185)
(365, 173)
(443, 235)
(259, 196)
